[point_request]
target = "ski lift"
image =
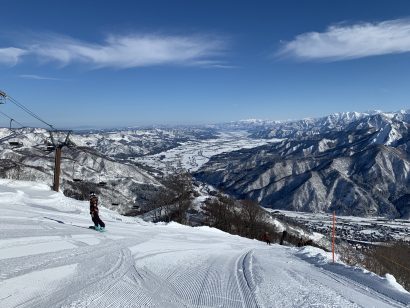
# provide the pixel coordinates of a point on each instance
(60, 138)
(15, 144)
(101, 181)
(47, 146)
(3, 97)
(74, 177)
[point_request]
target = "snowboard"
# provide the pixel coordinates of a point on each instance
(93, 228)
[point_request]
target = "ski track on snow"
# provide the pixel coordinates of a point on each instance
(146, 265)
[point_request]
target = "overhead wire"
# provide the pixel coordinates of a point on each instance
(4, 97)
(11, 119)
(24, 108)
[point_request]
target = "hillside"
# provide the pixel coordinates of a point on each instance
(124, 166)
(122, 185)
(49, 258)
(351, 163)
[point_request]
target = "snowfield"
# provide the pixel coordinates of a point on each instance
(192, 155)
(49, 258)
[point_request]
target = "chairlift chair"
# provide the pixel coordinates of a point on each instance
(75, 174)
(3, 97)
(15, 144)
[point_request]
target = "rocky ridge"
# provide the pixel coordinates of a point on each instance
(353, 163)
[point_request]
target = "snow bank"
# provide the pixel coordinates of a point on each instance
(317, 255)
(392, 281)
(354, 275)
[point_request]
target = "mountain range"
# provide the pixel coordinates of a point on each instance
(352, 163)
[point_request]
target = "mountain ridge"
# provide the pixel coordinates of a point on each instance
(359, 166)
(355, 163)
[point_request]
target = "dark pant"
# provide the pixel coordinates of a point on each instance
(97, 221)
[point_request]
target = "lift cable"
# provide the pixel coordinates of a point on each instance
(29, 111)
(11, 119)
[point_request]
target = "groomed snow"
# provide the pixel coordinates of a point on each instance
(49, 258)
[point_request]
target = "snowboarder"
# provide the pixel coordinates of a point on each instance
(266, 238)
(284, 237)
(99, 225)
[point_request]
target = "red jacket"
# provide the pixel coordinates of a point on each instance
(93, 206)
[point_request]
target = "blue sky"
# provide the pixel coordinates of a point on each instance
(119, 63)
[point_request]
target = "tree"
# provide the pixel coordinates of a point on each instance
(252, 216)
(157, 204)
(221, 213)
(174, 199)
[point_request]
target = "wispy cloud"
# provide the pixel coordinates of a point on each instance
(343, 42)
(37, 77)
(128, 51)
(10, 55)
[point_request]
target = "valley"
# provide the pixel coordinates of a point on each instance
(352, 163)
(358, 231)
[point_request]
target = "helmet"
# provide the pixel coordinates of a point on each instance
(92, 194)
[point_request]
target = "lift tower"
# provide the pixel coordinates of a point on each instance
(59, 140)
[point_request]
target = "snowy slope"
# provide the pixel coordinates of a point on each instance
(49, 258)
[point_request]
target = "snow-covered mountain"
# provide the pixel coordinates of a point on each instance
(354, 163)
(121, 185)
(386, 122)
(50, 258)
(127, 143)
(124, 167)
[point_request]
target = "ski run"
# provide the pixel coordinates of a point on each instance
(50, 258)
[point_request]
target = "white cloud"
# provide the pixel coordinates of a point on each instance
(130, 50)
(37, 77)
(342, 42)
(10, 55)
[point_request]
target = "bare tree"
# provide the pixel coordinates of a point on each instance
(181, 186)
(252, 216)
(221, 213)
(244, 218)
(157, 204)
(174, 199)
